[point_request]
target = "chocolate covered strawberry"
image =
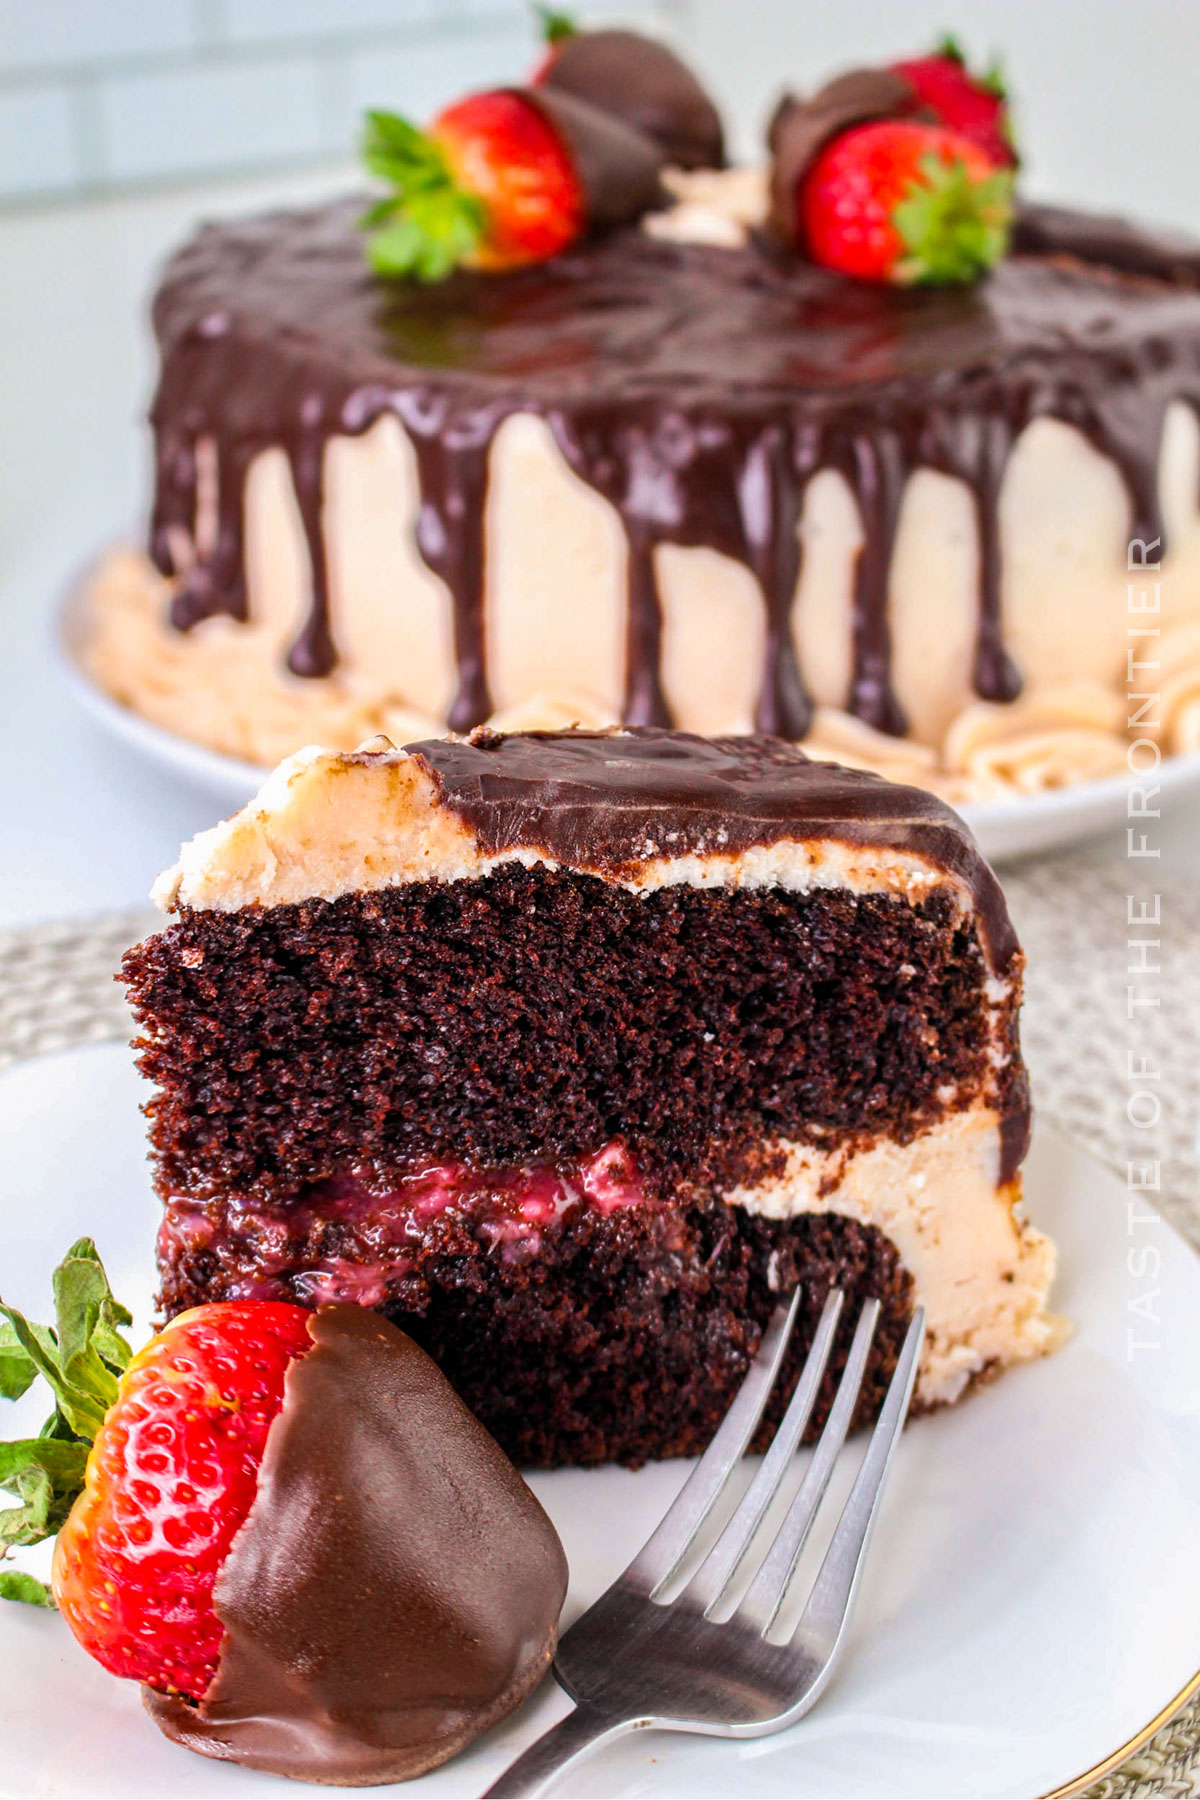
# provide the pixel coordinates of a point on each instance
(903, 202)
(901, 174)
(500, 179)
(636, 79)
(946, 92)
(164, 1448)
(251, 1514)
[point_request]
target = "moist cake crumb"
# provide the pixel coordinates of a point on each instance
(578, 1116)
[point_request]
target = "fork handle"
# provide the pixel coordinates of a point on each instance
(560, 1748)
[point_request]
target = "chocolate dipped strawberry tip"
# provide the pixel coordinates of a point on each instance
(900, 174)
(639, 81)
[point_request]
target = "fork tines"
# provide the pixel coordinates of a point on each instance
(701, 1659)
(714, 1580)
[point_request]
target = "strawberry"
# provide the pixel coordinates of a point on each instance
(899, 201)
(146, 1469)
(490, 185)
(949, 94)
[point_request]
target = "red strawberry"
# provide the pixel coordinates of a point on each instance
(172, 1474)
(503, 178)
(490, 185)
(903, 202)
(505, 151)
(176, 1438)
(975, 105)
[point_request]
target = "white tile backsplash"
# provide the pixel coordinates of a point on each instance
(259, 21)
(229, 116)
(37, 140)
(417, 79)
(98, 96)
(58, 34)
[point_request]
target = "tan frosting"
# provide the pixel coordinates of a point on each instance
(981, 1272)
(223, 685)
(1066, 612)
(326, 823)
(555, 611)
(711, 206)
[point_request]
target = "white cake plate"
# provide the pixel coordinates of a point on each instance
(1006, 829)
(1029, 1609)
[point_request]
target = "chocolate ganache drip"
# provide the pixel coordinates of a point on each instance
(697, 389)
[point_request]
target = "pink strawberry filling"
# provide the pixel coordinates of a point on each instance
(346, 1238)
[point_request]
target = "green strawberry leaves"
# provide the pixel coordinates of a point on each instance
(16, 1585)
(18, 1371)
(91, 1351)
(555, 25)
(80, 1360)
(954, 226)
(994, 79)
(950, 47)
(45, 1474)
(427, 225)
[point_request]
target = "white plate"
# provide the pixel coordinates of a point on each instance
(1030, 1601)
(1006, 829)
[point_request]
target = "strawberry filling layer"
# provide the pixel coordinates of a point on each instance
(347, 1238)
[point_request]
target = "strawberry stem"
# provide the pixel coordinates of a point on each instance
(81, 1361)
(994, 79)
(554, 25)
(428, 224)
(954, 226)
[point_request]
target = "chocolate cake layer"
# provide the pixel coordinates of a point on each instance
(696, 389)
(538, 1015)
(575, 1052)
(621, 1336)
(611, 802)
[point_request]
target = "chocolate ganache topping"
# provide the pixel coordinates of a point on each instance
(396, 1587)
(610, 800)
(697, 389)
(1110, 241)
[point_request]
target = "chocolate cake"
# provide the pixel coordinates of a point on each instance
(891, 523)
(573, 1052)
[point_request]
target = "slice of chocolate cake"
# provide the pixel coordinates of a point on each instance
(573, 1052)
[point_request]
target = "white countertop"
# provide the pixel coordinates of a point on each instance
(87, 824)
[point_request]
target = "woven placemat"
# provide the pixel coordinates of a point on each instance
(1079, 1029)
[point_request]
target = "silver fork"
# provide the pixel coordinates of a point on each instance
(636, 1659)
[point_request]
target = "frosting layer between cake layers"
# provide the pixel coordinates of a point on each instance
(762, 488)
(618, 1012)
